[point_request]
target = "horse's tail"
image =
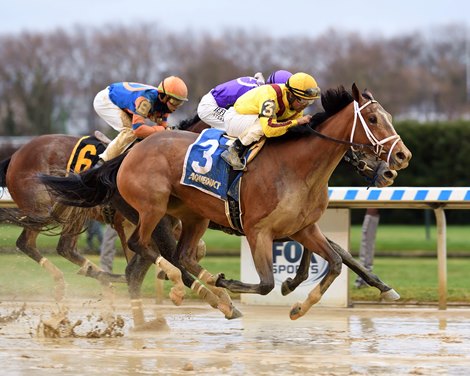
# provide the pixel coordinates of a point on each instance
(185, 124)
(90, 188)
(3, 171)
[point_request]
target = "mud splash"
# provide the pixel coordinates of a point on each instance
(59, 325)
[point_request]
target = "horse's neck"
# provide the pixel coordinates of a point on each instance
(325, 154)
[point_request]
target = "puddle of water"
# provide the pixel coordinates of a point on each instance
(264, 342)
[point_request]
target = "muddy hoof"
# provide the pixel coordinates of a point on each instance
(235, 314)
(390, 295)
(285, 289)
(162, 275)
(296, 311)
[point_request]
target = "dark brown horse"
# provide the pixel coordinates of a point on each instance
(47, 154)
(283, 193)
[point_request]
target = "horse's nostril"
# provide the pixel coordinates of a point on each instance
(401, 156)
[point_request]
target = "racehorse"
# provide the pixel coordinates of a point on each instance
(47, 154)
(375, 171)
(283, 193)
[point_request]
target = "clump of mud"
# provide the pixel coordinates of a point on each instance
(60, 326)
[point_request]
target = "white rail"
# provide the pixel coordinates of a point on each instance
(436, 198)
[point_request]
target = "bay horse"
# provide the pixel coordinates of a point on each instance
(47, 154)
(375, 171)
(283, 194)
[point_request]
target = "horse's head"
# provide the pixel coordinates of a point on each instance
(373, 125)
(375, 170)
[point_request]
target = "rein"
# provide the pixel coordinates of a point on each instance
(344, 142)
(376, 145)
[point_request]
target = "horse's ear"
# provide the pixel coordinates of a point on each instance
(355, 93)
(368, 95)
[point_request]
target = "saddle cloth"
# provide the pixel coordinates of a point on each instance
(85, 154)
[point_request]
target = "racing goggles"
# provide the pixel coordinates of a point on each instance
(304, 102)
(305, 97)
(175, 102)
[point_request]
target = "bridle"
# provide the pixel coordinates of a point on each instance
(376, 146)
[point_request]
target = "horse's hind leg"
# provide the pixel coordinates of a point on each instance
(371, 279)
(164, 238)
(135, 271)
(192, 230)
(67, 248)
(139, 242)
(26, 243)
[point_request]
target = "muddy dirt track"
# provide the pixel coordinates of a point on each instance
(195, 340)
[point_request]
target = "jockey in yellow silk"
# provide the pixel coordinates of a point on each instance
(137, 110)
(268, 110)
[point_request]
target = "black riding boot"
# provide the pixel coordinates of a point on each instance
(234, 154)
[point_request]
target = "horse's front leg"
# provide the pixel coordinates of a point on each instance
(261, 250)
(301, 275)
(312, 238)
(371, 279)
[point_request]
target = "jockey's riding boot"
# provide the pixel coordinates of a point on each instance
(233, 155)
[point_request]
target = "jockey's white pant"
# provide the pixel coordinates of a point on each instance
(117, 119)
(210, 113)
(246, 127)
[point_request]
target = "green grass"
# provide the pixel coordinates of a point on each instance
(415, 279)
(391, 239)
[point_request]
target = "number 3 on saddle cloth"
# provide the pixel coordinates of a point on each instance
(205, 170)
(85, 154)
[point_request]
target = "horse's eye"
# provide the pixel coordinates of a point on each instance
(373, 119)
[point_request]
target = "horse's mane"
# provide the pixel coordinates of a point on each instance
(185, 124)
(333, 101)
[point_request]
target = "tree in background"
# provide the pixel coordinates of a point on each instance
(48, 80)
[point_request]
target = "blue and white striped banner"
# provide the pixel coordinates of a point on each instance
(414, 194)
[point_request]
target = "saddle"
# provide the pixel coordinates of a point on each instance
(253, 150)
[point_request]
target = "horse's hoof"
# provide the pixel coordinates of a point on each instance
(296, 311)
(390, 295)
(176, 295)
(162, 275)
(218, 280)
(285, 289)
(235, 314)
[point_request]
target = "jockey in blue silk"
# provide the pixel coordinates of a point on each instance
(269, 110)
(137, 110)
(213, 105)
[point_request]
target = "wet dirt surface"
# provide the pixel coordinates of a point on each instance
(195, 340)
